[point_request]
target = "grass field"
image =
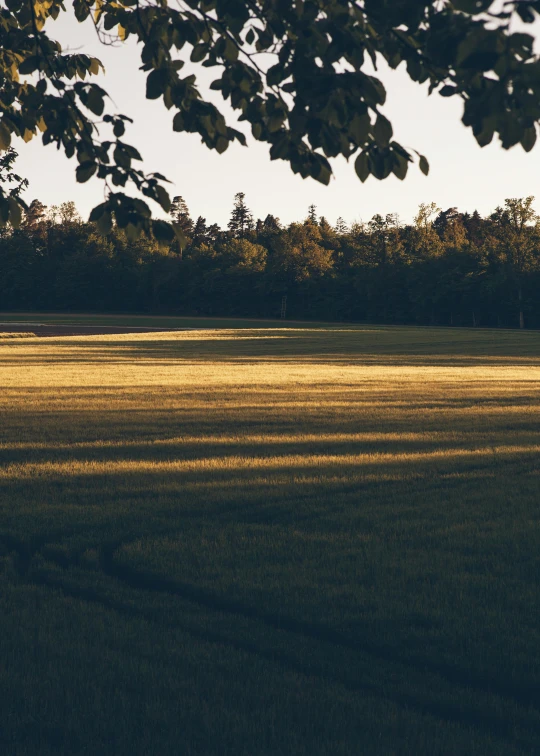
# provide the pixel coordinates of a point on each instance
(299, 541)
(152, 321)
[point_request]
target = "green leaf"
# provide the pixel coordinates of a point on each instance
(156, 83)
(221, 144)
(85, 171)
(5, 136)
(448, 91)
(400, 166)
(424, 165)
(162, 196)
(361, 166)
(231, 51)
(98, 211)
(382, 131)
(104, 223)
(199, 53)
(93, 100)
(29, 65)
(529, 139)
(15, 212)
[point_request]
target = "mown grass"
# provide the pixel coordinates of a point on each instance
(150, 321)
(16, 335)
(300, 541)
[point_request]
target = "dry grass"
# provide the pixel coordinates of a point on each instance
(17, 335)
(271, 541)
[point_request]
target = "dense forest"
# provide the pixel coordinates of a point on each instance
(446, 268)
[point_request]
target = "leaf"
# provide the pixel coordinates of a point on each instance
(162, 196)
(401, 166)
(104, 223)
(156, 83)
(231, 51)
(119, 128)
(94, 66)
(29, 65)
(382, 131)
(5, 136)
(448, 91)
(529, 139)
(85, 171)
(15, 212)
(221, 144)
(92, 98)
(424, 165)
(98, 211)
(199, 53)
(98, 11)
(361, 166)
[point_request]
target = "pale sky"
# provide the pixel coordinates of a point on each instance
(462, 174)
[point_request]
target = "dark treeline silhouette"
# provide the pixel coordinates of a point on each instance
(446, 268)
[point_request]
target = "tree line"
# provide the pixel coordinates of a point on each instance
(445, 268)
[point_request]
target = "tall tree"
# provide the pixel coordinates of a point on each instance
(519, 242)
(181, 218)
(341, 227)
(241, 218)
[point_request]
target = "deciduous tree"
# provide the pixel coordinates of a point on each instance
(298, 74)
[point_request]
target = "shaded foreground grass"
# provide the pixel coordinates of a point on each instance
(270, 542)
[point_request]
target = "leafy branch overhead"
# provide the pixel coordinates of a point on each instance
(295, 70)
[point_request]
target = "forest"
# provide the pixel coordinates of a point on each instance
(446, 268)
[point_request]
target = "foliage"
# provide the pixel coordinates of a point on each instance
(447, 267)
(11, 187)
(241, 218)
(297, 73)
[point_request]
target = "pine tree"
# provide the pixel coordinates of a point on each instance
(241, 219)
(312, 213)
(180, 216)
(341, 227)
(199, 230)
(271, 224)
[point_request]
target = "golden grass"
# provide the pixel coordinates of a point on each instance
(349, 515)
(17, 335)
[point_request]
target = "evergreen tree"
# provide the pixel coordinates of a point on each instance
(241, 218)
(180, 216)
(312, 213)
(271, 224)
(199, 230)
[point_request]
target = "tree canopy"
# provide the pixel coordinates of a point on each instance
(297, 72)
(445, 268)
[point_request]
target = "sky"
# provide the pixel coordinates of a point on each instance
(462, 174)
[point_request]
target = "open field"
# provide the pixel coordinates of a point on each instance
(299, 541)
(166, 322)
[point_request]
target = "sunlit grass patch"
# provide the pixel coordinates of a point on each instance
(271, 541)
(16, 335)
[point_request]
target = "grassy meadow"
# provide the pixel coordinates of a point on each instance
(270, 541)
